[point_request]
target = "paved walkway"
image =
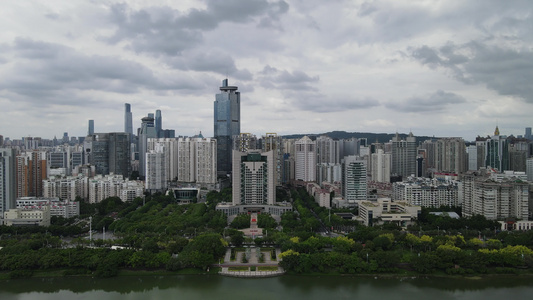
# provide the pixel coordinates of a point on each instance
(225, 271)
(253, 261)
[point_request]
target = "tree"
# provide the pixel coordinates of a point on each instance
(241, 221)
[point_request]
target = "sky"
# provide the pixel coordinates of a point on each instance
(436, 68)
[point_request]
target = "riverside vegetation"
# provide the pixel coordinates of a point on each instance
(162, 235)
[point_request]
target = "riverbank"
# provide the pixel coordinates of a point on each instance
(219, 270)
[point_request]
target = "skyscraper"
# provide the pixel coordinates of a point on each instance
(305, 159)
(227, 124)
(147, 131)
(528, 133)
(497, 152)
(158, 123)
(91, 127)
(7, 179)
(128, 125)
(109, 153)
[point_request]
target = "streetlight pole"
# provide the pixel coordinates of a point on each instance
(90, 230)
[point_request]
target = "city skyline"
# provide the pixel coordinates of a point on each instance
(448, 69)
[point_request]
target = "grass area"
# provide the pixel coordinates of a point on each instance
(238, 269)
(265, 268)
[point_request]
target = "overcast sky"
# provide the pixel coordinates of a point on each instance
(443, 68)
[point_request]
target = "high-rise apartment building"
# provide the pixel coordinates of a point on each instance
(244, 142)
(227, 124)
(529, 169)
(381, 166)
(7, 179)
(404, 156)
(354, 188)
(305, 161)
(156, 169)
(450, 155)
(128, 123)
(197, 158)
(170, 146)
(253, 178)
(495, 199)
(30, 173)
(327, 150)
(206, 161)
(471, 153)
(427, 192)
(273, 142)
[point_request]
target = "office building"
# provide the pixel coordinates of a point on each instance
(147, 131)
(305, 159)
(109, 153)
(254, 178)
(384, 211)
(227, 124)
(354, 189)
(7, 179)
(27, 217)
(528, 133)
(90, 129)
(497, 152)
(128, 121)
(158, 123)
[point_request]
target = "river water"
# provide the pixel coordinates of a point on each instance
(284, 287)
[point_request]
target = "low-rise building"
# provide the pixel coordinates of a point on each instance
(66, 209)
(27, 217)
(384, 210)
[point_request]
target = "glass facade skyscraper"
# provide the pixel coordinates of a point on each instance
(128, 123)
(227, 124)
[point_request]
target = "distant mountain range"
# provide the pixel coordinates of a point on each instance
(370, 137)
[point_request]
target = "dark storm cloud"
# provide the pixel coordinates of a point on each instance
(216, 62)
(320, 103)
(271, 77)
(434, 102)
(163, 30)
(52, 71)
(506, 71)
